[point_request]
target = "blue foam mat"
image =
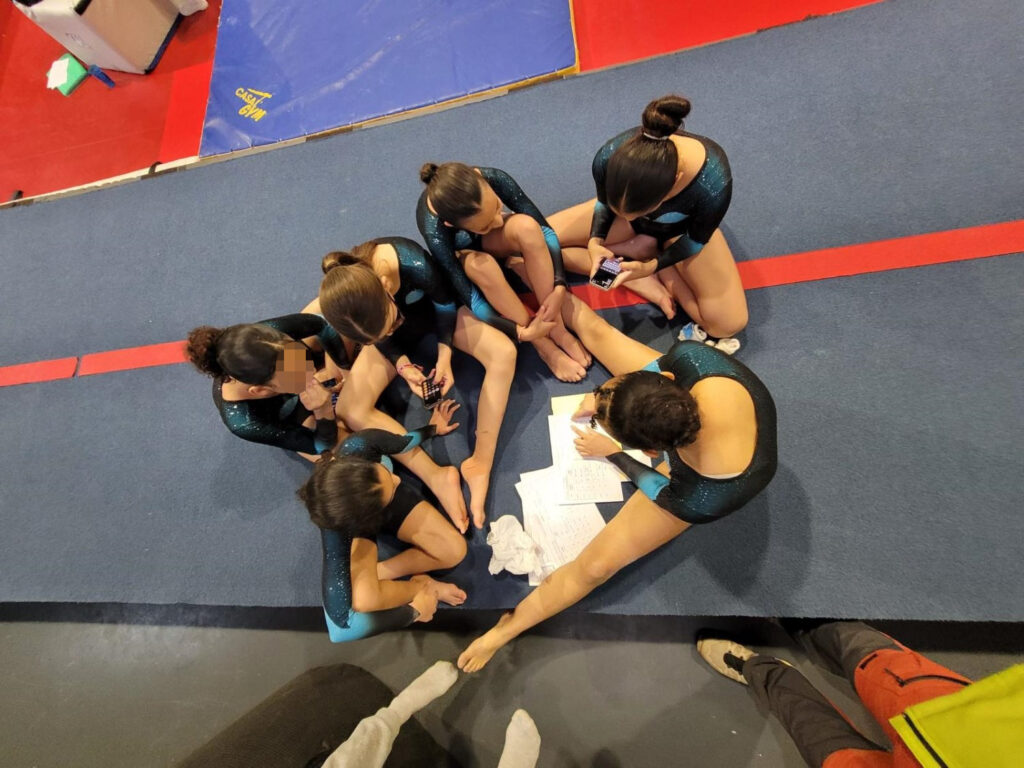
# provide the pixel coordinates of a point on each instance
(284, 70)
(898, 493)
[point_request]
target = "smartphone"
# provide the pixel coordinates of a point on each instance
(431, 393)
(606, 273)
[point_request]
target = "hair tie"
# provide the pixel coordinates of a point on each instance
(656, 138)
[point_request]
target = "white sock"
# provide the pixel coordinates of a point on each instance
(424, 689)
(522, 742)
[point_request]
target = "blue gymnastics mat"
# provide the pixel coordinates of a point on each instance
(289, 69)
(898, 493)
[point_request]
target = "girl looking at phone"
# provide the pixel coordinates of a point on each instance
(273, 381)
(387, 294)
(661, 195)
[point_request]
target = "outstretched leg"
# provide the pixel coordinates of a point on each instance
(357, 405)
(616, 351)
(637, 529)
(497, 354)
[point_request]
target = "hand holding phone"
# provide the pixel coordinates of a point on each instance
(606, 273)
(431, 393)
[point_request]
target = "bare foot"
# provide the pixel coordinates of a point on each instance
(448, 489)
(654, 291)
(478, 478)
(480, 651)
(571, 345)
(563, 366)
(445, 592)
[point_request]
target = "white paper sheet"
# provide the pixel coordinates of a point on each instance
(561, 531)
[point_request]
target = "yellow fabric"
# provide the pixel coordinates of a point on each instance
(981, 726)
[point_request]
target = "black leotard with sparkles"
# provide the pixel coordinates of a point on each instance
(685, 493)
(692, 216)
(277, 420)
(423, 288)
(444, 242)
(343, 623)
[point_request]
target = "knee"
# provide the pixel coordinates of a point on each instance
(354, 411)
(726, 324)
(452, 550)
(525, 233)
(501, 359)
(596, 571)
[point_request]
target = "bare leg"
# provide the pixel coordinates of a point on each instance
(485, 272)
(435, 545)
(616, 351)
(681, 292)
(497, 354)
(523, 235)
(713, 278)
(357, 404)
(573, 229)
(639, 528)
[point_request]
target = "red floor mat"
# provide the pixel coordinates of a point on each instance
(617, 31)
(53, 142)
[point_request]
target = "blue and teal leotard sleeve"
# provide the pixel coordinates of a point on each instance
(603, 215)
(343, 623)
(440, 241)
(302, 325)
(512, 195)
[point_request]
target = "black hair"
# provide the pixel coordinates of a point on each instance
(344, 493)
(453, 190)
(248, 353)
(642, 171)
(649, 411)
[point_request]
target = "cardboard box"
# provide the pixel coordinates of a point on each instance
(126, 35)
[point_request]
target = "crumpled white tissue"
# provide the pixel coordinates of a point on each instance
(512, 550)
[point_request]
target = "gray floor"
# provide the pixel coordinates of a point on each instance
(604, 691)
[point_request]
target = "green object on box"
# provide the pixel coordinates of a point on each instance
(76, 73)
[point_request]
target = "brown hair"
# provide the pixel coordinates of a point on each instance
(453, 190)
(248, 353)
(649, 411)
(643, 170)
(344, 493)
(352, 298)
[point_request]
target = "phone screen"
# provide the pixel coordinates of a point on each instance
(606, 273)
(431, 393)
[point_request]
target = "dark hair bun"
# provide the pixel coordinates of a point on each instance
(428, 172)
(664, 116)
(337, 259)
(201, 348)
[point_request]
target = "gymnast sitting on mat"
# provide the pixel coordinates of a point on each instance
(661, 195)
(461, 217)
(352, 496)
(713, 417)
(387, 294)
(267, 380)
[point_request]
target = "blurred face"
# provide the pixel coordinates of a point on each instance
(294, 370)
(489, 217)
(388, 482)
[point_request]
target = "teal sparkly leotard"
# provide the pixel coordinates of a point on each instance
(423, 289)
(278, 420)
(685, 493)
(343, 623)
(444, 242)
(692, 216)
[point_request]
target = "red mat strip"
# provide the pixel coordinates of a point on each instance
(617, 31)
(44, 370)
(133, 357)
(864, 258)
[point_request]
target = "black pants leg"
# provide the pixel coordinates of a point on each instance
(839, 646)
(816, 727)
